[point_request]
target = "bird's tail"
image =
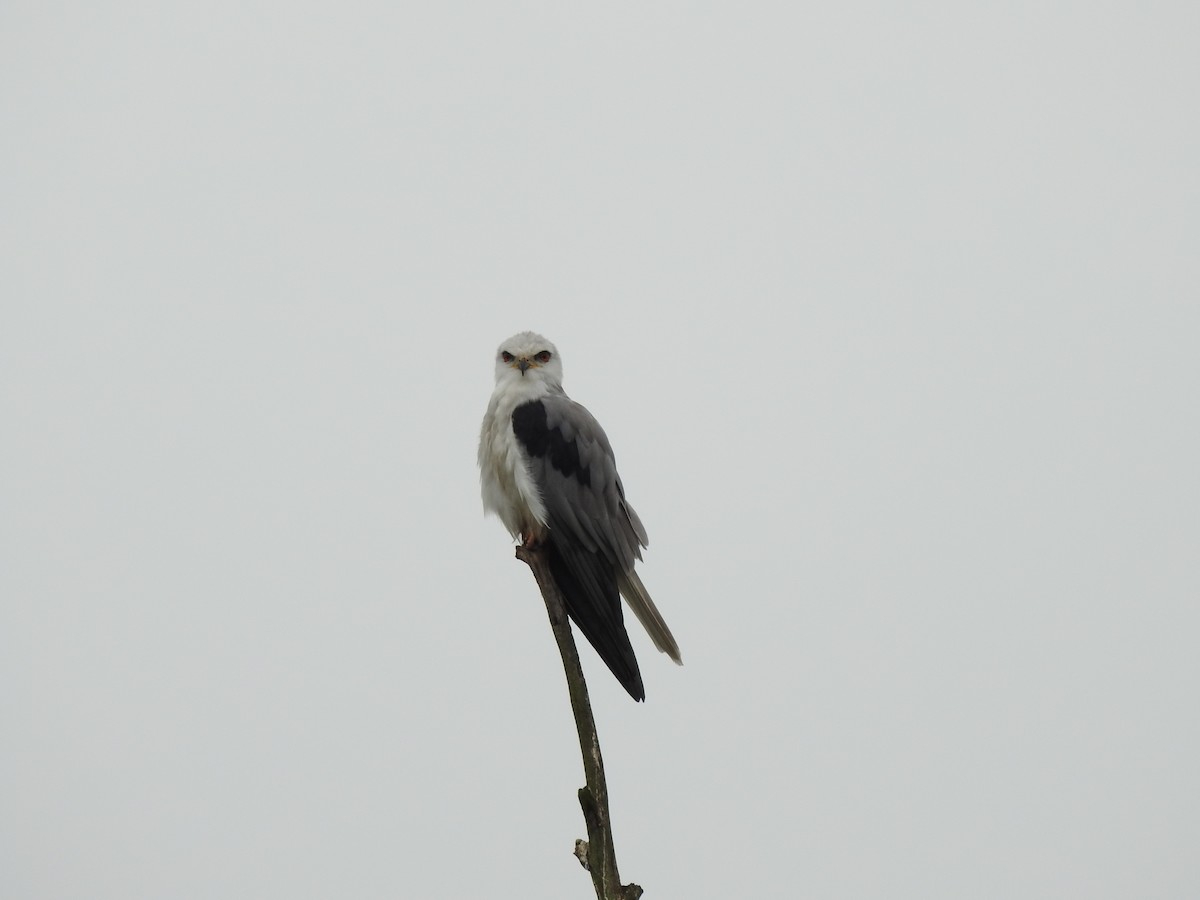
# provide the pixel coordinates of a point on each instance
(643, 607)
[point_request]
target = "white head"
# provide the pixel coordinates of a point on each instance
(529, 359)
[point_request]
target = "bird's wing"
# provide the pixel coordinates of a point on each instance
(597, 532)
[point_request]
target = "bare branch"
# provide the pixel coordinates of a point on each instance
(601, 858)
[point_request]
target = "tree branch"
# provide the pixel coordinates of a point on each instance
(597, 854)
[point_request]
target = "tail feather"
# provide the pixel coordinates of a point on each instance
(643, 607)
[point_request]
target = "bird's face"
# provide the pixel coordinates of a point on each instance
(528, 356)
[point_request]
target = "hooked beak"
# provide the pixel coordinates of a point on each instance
(522, 364)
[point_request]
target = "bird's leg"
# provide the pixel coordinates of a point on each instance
(531, 539)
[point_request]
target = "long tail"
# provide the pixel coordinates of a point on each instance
(643, 607)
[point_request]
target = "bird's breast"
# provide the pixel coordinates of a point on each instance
(507, 486)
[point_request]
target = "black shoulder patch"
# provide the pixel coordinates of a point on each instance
(529, 425)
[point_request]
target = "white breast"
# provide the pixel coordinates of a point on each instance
(505, 483)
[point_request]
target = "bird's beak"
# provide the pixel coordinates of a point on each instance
(522, 364)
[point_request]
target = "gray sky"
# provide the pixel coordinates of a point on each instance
(890, 316)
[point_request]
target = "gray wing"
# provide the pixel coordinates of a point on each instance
(572, 463)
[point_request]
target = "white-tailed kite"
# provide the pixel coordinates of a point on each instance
(547, 470)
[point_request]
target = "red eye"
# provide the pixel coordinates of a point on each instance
(544, 356)
(506, 356)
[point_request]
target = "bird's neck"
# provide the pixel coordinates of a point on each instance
(513, 392)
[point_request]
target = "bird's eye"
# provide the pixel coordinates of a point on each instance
(544, 356)
(506, 356)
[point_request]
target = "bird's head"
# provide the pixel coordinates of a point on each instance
(527, 357)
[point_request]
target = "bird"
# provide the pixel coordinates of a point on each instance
(547, 470)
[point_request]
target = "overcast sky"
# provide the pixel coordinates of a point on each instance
(891, 317)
